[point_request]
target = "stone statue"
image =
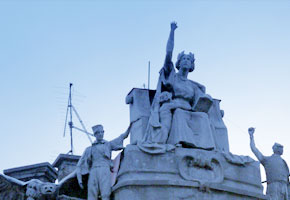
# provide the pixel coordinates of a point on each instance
(12, 188)
(96, 161)
(277, 171)
(180, 106)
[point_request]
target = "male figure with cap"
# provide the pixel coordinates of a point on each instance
(277, 171)
(96, 161)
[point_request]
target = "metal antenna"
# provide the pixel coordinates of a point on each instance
(70, 110)
(149, 75)
(70, 123)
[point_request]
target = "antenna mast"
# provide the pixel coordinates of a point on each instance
(70, 110)
(70, 122)
(149, 75)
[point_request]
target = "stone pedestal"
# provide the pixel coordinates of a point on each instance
(65, 164)
(140, 101)
(190, 174)
(63, 197)
(42, 171)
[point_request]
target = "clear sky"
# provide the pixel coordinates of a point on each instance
(103, 47)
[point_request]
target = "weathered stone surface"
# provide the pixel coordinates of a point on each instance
(180, 174)
(14, 189)
(66, 164)
(219, 129)
(140, 101)
(192, 129)
(11, 188)
(64, 197)
(42, 171)
(158, 191)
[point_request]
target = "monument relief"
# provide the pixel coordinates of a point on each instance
(179, 150)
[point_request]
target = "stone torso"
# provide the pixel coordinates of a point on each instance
(276, 169)
(99, 155)
(183, 88)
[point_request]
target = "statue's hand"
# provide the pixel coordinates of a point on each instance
(165, 96)
(173, 26)
(251, 131)
(81, 185)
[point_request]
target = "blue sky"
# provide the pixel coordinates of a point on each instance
(103, 47)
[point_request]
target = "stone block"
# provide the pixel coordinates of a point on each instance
(140, 101)
(64, 197)
(65, 164)
(42, 171)
(183, 173)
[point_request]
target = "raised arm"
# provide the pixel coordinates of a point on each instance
(254, 149)
(117, 143)
(169, 48)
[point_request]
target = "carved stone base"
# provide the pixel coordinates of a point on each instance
(64, 197)
(190, 174)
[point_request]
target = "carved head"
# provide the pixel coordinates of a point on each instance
(278, 149)
(36, 189)
(185, 61)
(47, 188)
(33, 189)
(98, 132)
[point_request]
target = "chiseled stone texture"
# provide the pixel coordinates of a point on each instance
(158, 192)
(140, 102)
(64, 197)
(179, 174)
(42, 171)
(65, 164)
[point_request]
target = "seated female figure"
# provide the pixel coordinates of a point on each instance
(172, 119)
